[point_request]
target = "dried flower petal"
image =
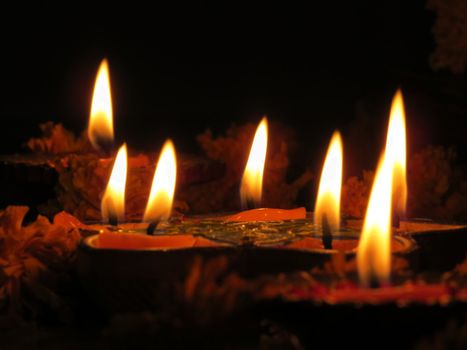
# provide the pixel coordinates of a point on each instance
(29, 252)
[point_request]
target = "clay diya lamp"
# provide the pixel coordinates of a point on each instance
(374, 295)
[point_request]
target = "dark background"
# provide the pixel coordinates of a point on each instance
(177, 71)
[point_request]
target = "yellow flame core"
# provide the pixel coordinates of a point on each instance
(113, 201)
(329, 192)
(252, 181)
(100, 129)
(396, 152)
(374, 249)
(160, 200)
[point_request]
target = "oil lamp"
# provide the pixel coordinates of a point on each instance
(129, 235)
(251, 187)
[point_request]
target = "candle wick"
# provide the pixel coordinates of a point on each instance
(152, 227)
(327, 233)
(105, 148)
(374, 283)
(113, 218)
(250, 203)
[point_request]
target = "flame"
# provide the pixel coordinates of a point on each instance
(374, 248)
(396, 152)
(113, 201)
(329, 192)
(163, 185)
(252, 180)
(100, 129)
(389, 189)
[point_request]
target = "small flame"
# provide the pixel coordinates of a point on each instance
(396, 152)
(113, 201)
(100, 129)
(252, 181)
(329, 192)
(163, 185)
(374, 248)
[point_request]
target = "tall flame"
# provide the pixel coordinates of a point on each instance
(252, 180)
(396, 152)
(113, 201)
(100, 129)
(374, 248)
(389, 189)
(329, 193)
(163, 185)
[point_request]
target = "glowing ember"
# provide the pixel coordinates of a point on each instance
(163, 185)
(329, 194)
(252, 181)
(100, 129)
(113, 201)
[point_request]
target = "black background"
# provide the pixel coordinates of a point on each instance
(177, 70)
